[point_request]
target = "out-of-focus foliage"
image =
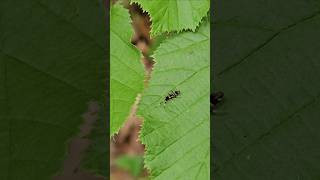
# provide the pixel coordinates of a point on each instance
(133, 164)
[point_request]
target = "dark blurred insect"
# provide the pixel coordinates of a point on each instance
(215, 99)
(172, 95)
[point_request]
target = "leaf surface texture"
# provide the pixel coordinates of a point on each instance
(174, 15)
(176, 133)
(266, 61)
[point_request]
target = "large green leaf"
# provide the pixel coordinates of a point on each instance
(174, 15)
(176, 133)
(52, 59)
(267, 62)
(127, 73)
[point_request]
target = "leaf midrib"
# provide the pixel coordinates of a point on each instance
(290, 116)
(48, 9)
(271, 130)
(46, 73)
(267, 42)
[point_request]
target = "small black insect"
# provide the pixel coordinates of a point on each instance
(172, 95)
(215, 99)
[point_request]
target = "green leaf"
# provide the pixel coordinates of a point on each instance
(52, 59)
(127, 73)
(177, 133)
(267, 64)
(174, 15)
(133, 164)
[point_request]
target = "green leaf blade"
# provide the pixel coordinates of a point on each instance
(174, 15)
(46, 81)
(127, 73)
(266, 128)
(176, 133)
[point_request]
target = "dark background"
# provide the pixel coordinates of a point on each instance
(265, 57)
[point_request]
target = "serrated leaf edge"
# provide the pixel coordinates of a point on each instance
(153, 34)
